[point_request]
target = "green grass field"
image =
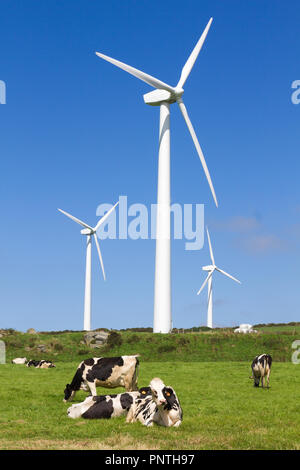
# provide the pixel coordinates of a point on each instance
(221, 408)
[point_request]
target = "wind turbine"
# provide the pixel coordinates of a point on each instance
(163, 96)
(211, 268)
(90, 232)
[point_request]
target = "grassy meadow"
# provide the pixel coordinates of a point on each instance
(221, 408)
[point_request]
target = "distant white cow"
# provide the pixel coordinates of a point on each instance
(19, 360)
(245, 328)
(162, 407)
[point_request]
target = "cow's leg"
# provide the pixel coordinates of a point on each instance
(262, 381)
(268, 378)
(129, 385)
(130, 415)
(92, 386)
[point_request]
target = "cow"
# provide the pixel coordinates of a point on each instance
(261, 368)
(110, 372)
(40, 364)
(106, 406)
(162, 407)
(19, 360)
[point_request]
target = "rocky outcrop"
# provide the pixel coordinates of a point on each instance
(96, 339)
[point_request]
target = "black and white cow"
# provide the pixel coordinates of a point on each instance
(261, 368)
(40, 364)
(110, 372)
(162, 407)
(106, 406)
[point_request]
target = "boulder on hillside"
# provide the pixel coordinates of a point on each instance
(31, 331)
(95, 339)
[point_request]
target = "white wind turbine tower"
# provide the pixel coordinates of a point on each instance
(211, 268)
(89, 232)
(163, 96)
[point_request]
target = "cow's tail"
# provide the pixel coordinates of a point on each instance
(136, 371)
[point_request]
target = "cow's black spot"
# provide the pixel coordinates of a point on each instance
(100, 410)
(126, 401)
(99, 398)
(32, 362)
(262, 360)
(103, 369)
(89, 362)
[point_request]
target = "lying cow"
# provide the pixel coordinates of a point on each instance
(19, 360)
(106, 406)
(162, 407)
(110, 372)
(261, 368)
(40, 364)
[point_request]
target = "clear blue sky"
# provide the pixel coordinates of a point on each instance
(75, 133)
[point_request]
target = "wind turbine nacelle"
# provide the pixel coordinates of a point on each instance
(156, 97)
(86, 231)
(208, 268)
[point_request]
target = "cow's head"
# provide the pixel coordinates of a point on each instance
(69, 393)
(157, 386)
(256, 382)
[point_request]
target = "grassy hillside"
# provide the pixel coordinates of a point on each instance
(214, 345)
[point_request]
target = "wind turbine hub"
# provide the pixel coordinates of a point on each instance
(86, 231)
(208, 268)
(159, 96)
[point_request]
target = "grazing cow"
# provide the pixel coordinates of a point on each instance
(110, 372)
(40, 364)
(106, 406)
(19, 360)
(162, 407)
(261, 368)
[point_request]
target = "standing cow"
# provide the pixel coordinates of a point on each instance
(110, 372)
(261, 368)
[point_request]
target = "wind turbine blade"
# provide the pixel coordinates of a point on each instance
(205, 282)
(75, 219)
(198, 148)
(210, 248)
(105, 217)
(192, 58)
(228, 275)
(152, 81)
(99, 254)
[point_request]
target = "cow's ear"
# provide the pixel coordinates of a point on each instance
(169, 391)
